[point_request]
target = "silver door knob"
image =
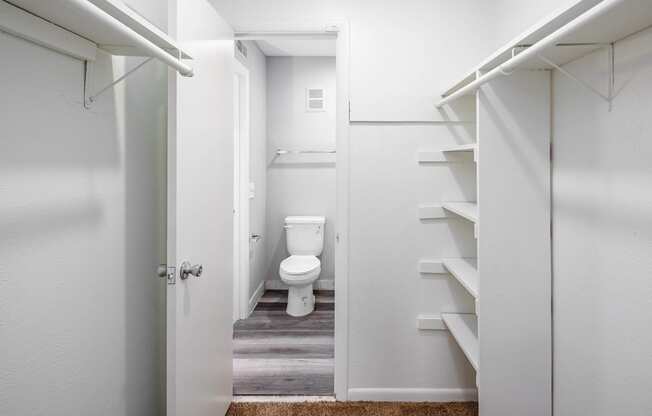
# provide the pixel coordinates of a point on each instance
(188, 269)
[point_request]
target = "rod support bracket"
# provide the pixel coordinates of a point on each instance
(89, 99)
(608, 98)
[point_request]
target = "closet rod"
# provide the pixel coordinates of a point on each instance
(142, 42)
(533, 52)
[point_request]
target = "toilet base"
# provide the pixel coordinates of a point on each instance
(301, 300)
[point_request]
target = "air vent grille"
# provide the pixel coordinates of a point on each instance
(315, 99)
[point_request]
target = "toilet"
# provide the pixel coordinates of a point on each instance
(305, 241)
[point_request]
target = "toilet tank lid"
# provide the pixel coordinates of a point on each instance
(305, 220)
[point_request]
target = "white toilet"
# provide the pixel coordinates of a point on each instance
(305, 241)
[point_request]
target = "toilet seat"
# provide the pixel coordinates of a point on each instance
(299, 270)
(297, 265)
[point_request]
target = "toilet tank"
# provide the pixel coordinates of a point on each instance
(305, 235)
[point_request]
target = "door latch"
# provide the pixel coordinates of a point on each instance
(163, 271)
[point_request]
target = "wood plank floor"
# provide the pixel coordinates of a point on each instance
(277, 354)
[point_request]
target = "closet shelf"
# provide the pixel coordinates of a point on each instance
(109, 25)
(462, 148)
(465, 270)
(464, 328)
(467, 210)
(567, 35)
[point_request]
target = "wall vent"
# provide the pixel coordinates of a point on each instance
(315, 99)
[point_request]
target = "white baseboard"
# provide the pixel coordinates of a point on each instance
(412, 395)
(253, 301)
(326, 284)
(275, 285)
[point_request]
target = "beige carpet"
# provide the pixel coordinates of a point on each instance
(354, 409)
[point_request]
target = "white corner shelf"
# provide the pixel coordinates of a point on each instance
(465, 270)
(566, 35)
(109, 25)
(454, 154)
(467, 210)
(462, 148)
(430, 323)
(464, 329)
(431, 267)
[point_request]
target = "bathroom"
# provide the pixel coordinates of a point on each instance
(284, 323)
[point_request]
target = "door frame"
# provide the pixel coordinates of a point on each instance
(340, 29)
(241, 200)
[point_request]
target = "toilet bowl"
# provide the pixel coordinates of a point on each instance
(299, 273)
(305, 241)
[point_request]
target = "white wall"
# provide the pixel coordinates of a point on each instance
(299, 184)
(81, 233)
(411, 49)
(197, 20)
(603, 236)
(387, 241)
(512, 17)
(514, 319)
(257, 64)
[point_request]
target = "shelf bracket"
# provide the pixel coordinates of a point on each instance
(89, 99)
(606, 97)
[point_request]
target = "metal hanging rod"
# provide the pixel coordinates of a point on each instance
(534, 51)
(139, 40)
(280, 152)
(568, 44)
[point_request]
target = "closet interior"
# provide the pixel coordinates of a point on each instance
(508, 340)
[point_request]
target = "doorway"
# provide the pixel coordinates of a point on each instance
(277, 350)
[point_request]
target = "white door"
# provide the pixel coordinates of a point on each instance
(200, 231)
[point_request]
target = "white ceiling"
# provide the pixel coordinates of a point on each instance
(297, 47)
